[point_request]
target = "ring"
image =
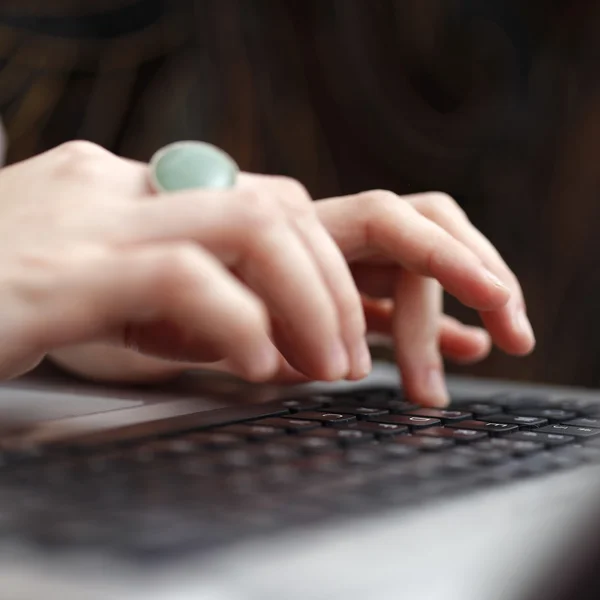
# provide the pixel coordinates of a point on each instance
(192, 165)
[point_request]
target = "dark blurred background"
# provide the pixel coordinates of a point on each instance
(496, 102)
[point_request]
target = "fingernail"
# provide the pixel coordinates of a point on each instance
(495, 280)
(362, 360)
(339, 363)
(436, 388)
(522, 324)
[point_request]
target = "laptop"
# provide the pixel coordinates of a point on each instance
(209, 488)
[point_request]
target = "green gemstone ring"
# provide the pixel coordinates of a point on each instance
(192, 165)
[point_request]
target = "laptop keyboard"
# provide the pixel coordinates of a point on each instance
(301, 461)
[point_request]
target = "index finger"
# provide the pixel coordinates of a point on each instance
(383, 223)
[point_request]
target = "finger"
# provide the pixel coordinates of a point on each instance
(460, 343)
(417, 311)
(332, 266)
(285, 374)
(381, 222)
(136, 292)
(246, 230)
(508, 325)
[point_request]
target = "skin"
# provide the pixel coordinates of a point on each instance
(114, 283)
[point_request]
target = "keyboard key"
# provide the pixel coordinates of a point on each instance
(578, 432)
(327, 418)
(426, 444)
(361, 412)
(414, 422)
(554, 415)
(395, 451)
(492, 428)
(308, 403)
(395, 406)
(446, 416)
(289, 424)
(214, 439)
(381, 430)
(461, 436)
(584, 407)
(584, 422)
(520, 401)
(252, 432)
(480, 410)
(508, 444)
(521, 421)
(312, 445)
(548, 439)
(342, 436)
(481, 456)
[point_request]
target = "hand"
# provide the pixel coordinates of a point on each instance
(402, 252)
(88, 254)
(412, 242)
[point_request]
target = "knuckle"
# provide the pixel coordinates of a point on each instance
(296, 199)
(375, 205)
(377, 201)
(82, 160)
(259, 212)
(440, 205)
(290, 185)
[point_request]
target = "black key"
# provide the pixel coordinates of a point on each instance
(414, 422)
(518, 401)
(361, 455)
(521, 421)
(342, 436)
(493, 456)
(382, 430)
(584, 422)
(554, 415)
(446, 416)
(312, 445)
(361, 412)
(578, 432)
(492, 428)
(252, 432)
(327, 418)
(323, 463)
(214, 439)
(395, 406)
(307, 403)
(579, 405)
(508, 444)
(289, 424)
(240, 458)
(394, 451)
(159, 448)
(480, 409)
(589, 452)
(461, 436)
(275, 452)
(538, 463)
(548, 439)
(306, 445)
(427, 444)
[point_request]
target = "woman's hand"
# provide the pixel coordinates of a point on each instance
(279, 246)
(89, 254)
(402, 252)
